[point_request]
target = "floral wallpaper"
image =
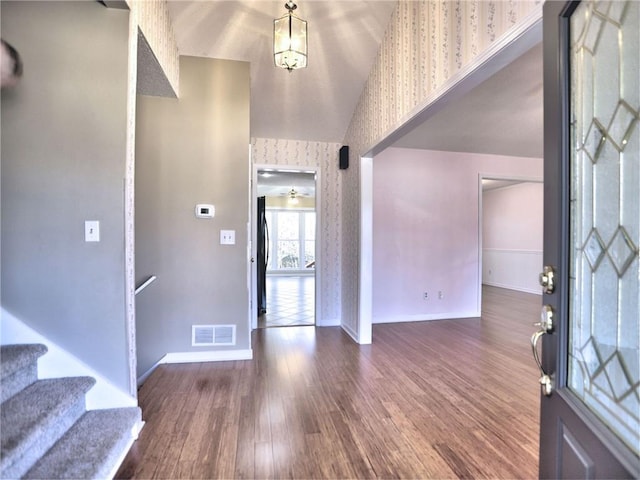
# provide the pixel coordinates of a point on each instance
(426, 43)
(268, 151)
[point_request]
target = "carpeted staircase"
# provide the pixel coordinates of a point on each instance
(45, 429)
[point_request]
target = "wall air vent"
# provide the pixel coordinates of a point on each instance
(211, 335)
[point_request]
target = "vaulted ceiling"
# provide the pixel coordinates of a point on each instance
(501, 116)
(315, 103)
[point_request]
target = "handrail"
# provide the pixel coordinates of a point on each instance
(145, 284)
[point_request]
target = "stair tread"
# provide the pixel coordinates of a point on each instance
(25, 415)
(91, 447)
(16, 357)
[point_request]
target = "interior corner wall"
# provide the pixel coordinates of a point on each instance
(154, 21)
(63, 162)
(268, 151)
(192, 150)
(426, 234)
(512, 227)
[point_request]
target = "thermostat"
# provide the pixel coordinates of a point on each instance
(204, 210)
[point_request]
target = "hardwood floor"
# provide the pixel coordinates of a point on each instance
(439, 399)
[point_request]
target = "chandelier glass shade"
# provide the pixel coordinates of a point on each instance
(290, 40)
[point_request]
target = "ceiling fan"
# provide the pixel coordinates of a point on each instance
(294, 195)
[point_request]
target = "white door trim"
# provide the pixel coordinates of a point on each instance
(365, 307)
(253, 308)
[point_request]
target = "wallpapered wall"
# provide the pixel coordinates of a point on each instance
(425, 44)
(267, 151)
(152, 16)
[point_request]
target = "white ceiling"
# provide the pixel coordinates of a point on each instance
(272, 183)
(503, 115)
(315, 103)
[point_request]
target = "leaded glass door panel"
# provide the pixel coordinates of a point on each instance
(590, 418)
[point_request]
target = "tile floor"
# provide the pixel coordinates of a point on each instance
(290, 302)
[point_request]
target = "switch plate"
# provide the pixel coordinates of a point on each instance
(227, 237)
(92, 231)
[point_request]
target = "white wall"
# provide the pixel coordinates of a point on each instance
(512, 237)
(426, 234)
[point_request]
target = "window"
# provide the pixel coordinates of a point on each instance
(292, 240)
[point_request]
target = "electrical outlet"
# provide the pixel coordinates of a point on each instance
(426, 295)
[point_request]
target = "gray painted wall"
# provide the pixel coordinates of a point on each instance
(63, 162)
(192, 150)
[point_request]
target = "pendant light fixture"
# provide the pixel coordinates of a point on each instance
(290, 40)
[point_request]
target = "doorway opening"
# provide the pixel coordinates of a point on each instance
(286, 245)
(510, 232)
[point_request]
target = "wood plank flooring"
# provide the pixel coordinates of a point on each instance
(439, 399)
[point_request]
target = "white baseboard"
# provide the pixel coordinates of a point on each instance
(425, 317)
(329, 322)
(219, 356)
(197, 357)
(143, 378)
(536, 291)
(57, 362)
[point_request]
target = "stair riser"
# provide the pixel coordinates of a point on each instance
(19, 380)
(43, 439)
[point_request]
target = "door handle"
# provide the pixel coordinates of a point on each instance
(546, 326)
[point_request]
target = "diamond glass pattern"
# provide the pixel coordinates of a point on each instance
(617, 377)
(604, 320)
(621, 251)
(593, 33)
(621, 125)
(593, 249)
(594, 140)
(591, 357)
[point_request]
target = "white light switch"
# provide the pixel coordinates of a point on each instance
(92, 231)
(227, 237)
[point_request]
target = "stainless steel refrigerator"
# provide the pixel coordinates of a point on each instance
(263, 256)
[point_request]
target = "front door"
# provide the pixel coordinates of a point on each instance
(590, 407)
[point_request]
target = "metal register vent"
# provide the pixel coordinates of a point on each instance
(211, 335)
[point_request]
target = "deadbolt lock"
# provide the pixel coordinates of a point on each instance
(548, 279)
(546, 319)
